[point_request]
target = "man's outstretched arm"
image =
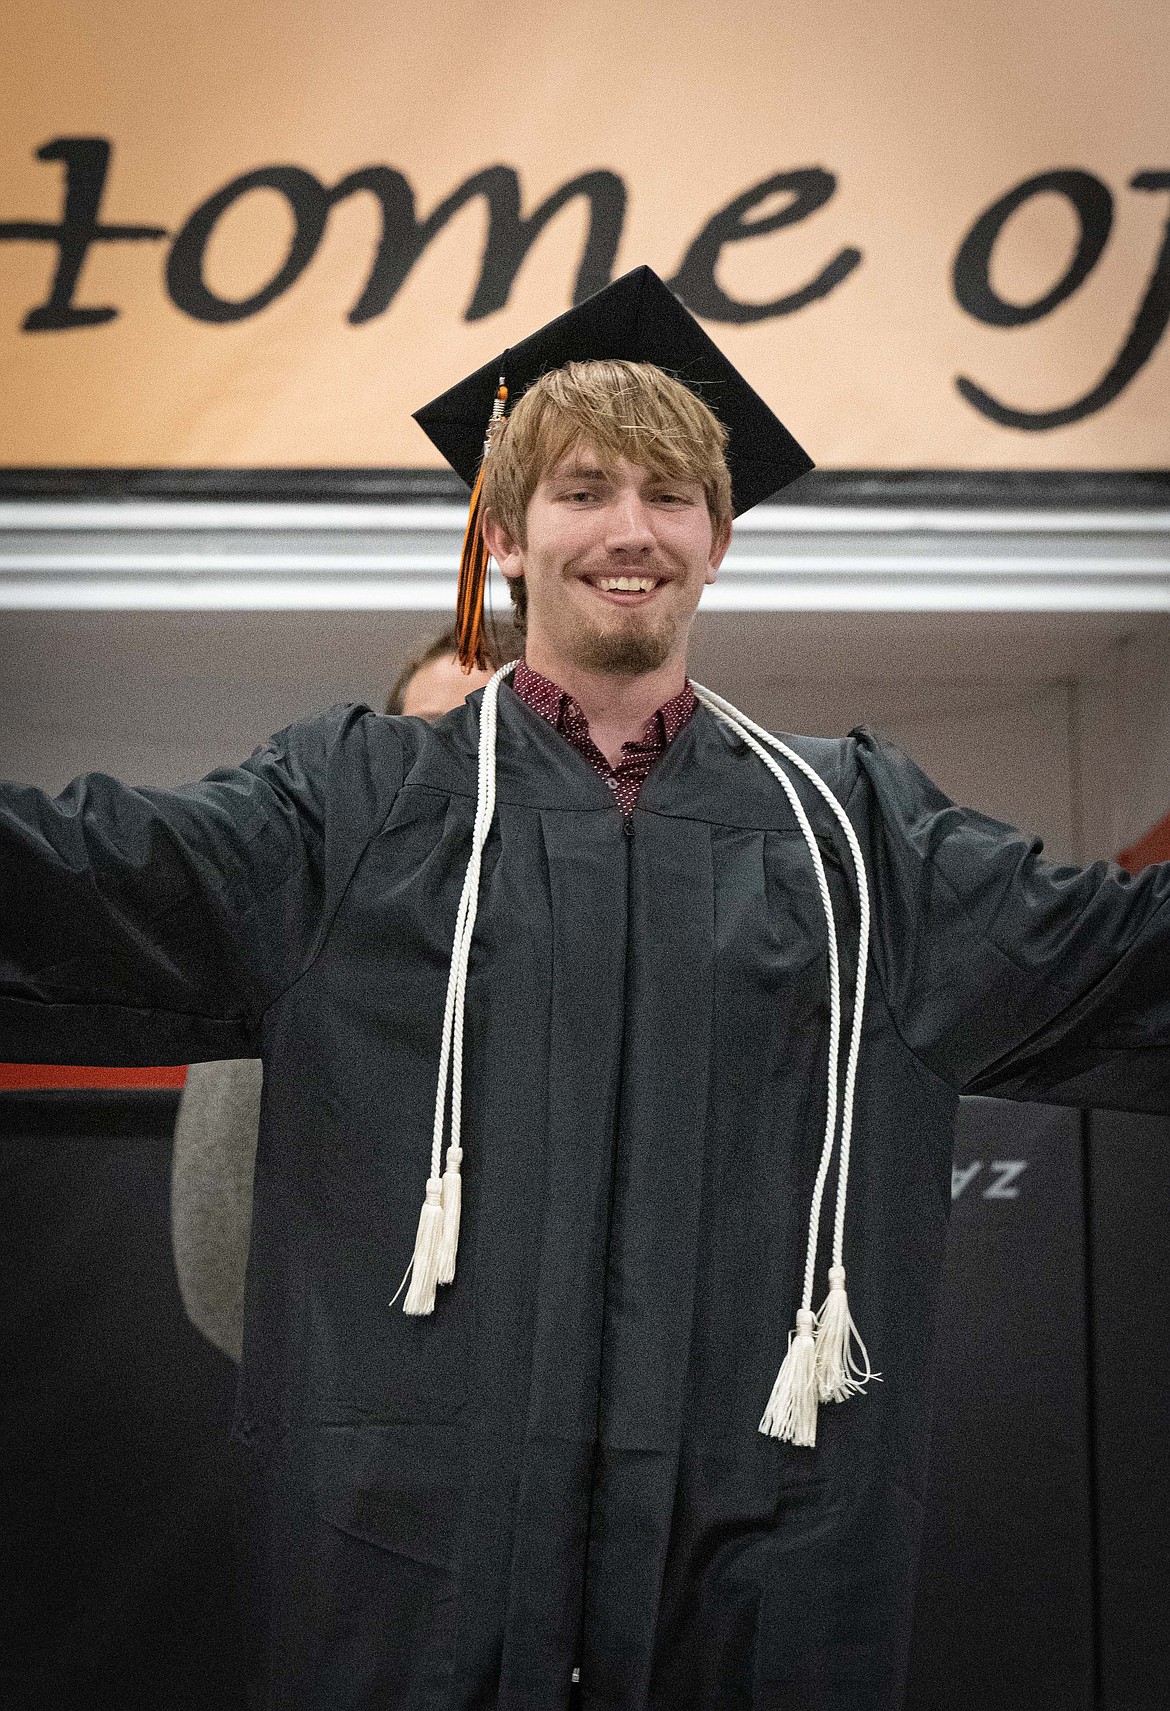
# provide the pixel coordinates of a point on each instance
(148, 926)
(1009, 974)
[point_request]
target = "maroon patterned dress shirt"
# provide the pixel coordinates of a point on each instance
(631, 772)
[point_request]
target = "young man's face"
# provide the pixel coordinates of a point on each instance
(591, 530)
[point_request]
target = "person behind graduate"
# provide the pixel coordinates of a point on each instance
(218, 1119)
(612, 1047)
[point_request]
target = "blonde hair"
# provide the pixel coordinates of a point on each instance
(620, 409)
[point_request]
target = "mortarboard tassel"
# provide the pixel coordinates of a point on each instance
(474, 558)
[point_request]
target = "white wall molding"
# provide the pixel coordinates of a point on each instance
(158, 555)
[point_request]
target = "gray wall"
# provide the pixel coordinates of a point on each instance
(1059, 723)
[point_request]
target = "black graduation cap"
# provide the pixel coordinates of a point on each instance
(637, 319)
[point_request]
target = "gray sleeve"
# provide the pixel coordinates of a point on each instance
(211, 1194)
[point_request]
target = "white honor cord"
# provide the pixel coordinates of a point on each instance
(717, 704)
(732, 720)
(826, 1349)
(821, 1362)
(421, 1295)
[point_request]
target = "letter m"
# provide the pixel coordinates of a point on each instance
(509, 238)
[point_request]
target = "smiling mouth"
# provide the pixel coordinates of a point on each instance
(626, 590)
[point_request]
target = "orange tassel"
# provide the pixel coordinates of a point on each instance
(473, 569)
(474, 560)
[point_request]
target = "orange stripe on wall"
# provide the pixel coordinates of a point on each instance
(30, 1075)
(1155, 846)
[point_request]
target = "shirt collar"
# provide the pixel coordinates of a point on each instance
(558, 707)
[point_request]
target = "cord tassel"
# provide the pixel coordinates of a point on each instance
(840, 1374)
(452, 1201)
(424, 1267)
(791, 1413)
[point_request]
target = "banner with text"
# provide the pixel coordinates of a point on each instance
(933, 235)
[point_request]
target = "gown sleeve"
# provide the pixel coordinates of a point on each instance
(1005, 973)
(212, 1166)
(144, 926)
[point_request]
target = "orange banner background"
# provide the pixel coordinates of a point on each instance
(924, 113)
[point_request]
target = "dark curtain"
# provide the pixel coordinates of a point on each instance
(116, 1556)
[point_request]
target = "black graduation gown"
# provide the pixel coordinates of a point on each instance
(562, 1466)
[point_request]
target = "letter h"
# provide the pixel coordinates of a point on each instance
(87, 160)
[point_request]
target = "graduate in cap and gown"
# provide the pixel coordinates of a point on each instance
(611, 1055)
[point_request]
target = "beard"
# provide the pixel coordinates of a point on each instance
(639, 644)
(623, 653)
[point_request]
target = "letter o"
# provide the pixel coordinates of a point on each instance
(972, 271)
(309, 202)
